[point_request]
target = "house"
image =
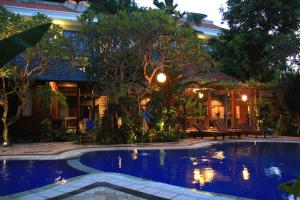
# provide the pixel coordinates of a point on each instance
(227, 99)
(71, 81)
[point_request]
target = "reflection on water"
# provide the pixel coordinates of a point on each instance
(4, 171)
(134, 154)
(273, 171)
(162, 155)
(246, 174)
(119, 162)
(202, 176)
(241, 169)
(60, 180)
(194, 161)
(219, 155)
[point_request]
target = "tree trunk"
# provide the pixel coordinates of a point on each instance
(5, 122)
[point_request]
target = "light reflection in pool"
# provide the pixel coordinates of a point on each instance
(246, 174)
(222, 168)
(134, 154)
(202, 176)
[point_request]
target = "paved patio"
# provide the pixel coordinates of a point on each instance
(103, 193)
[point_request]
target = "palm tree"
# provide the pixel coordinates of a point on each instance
(169, 8)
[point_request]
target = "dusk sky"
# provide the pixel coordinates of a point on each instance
(209, 7)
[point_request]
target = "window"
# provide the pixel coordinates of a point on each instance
(74, 37)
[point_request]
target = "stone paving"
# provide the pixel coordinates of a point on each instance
(103, 193)
(56, 148)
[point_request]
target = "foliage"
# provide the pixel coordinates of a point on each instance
(292, 187)
(193, 107)
(169, 8)
(53, 134)
(262, 37)
(112, 6)
(162, 43)
(16, 44)
(32, 62)
(126, 50)
(48, 97)
(290, 89)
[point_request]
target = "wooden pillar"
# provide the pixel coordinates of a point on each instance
(233, 110)
(94, 105)
(225, 109)
(255, 109)
(78, 108)
(209, 112)
(251, 109)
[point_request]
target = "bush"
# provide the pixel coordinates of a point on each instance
(55, 134)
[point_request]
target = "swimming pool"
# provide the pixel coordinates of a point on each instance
(251, 170)
(22, 175)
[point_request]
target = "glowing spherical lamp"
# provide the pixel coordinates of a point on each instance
(244, 97)
(201, 95)
(161, 77)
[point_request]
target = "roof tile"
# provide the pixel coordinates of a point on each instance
(35, 5)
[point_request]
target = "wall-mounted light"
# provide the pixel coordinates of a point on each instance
(161, 77)
(200, 95)
(244, 98)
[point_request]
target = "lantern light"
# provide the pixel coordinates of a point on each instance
(161, 77)
(244, 97)
(201, 95)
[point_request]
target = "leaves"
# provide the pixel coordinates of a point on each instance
(16, 44)
(48, 97)
(262, 35)
(292, 187)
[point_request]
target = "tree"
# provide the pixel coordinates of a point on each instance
(112, 6)
(30, 63)
(252, 47)
(162, 43)
(169, 8)
(290, 89)
(126, 50)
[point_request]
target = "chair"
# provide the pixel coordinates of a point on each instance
(89, 137)
(221, 126)
(203, 132)
(251, 131)
(86, 132)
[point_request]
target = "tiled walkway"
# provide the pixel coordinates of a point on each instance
(103, 193)
(60, 147)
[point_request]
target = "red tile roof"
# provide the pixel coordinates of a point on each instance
(192, 71)
(219, 76)
(210, 26)
(35, 5)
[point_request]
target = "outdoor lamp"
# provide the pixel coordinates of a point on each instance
(161, 77)
(201, 95)
(244, 97)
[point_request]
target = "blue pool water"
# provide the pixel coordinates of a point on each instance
(251, 170)
(18, 176)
